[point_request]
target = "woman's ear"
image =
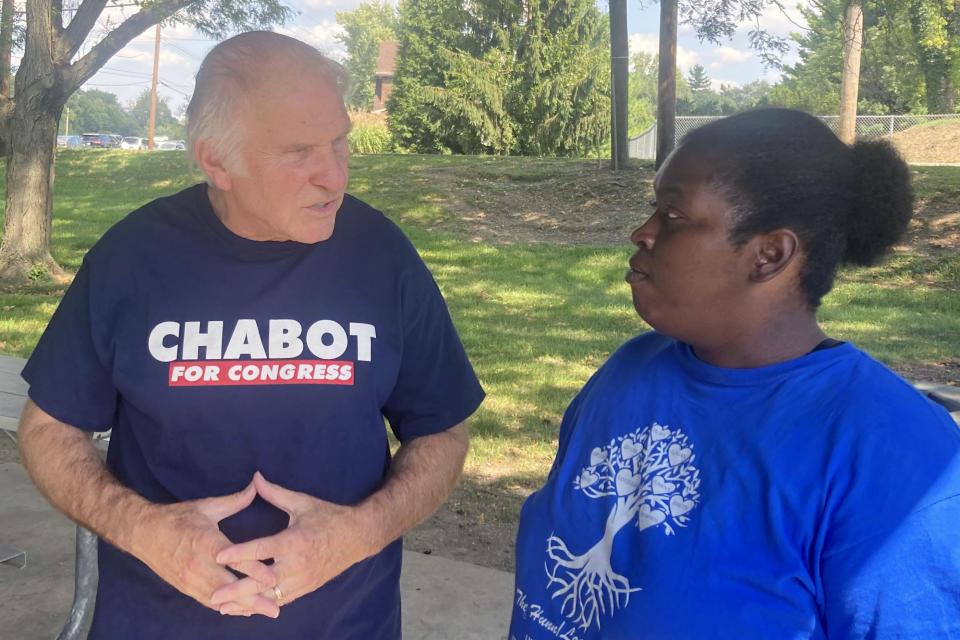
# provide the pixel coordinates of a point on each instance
(774, 251)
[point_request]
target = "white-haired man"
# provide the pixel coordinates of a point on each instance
(245, 339)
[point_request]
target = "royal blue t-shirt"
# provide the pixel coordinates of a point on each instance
(212, 356)
(814, 498)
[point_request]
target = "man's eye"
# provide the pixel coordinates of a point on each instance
(669, 213)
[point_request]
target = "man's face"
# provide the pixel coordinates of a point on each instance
(293, 170)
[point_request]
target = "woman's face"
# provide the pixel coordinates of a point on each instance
(687, 279)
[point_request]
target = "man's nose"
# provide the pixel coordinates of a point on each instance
(329, 170)
(645, 234)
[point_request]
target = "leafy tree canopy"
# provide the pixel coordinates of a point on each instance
(96, 111)
(910, 60)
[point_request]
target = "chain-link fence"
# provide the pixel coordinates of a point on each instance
(931, 138)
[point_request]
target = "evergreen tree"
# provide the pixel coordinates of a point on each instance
(501, 77)
(698, 79)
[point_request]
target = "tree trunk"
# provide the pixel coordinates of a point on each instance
(619, 73)
(850, 80)
(667, 81)
(25, 249)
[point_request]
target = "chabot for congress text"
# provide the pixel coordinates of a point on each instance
(278, 361)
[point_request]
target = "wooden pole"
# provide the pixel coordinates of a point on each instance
(153, 90)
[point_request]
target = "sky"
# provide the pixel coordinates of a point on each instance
(128, 73)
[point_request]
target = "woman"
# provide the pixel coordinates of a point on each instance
(736, 473)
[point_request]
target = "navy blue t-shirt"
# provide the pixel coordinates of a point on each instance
(810, 499)
(212, 356)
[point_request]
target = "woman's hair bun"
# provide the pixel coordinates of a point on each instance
(881, 203)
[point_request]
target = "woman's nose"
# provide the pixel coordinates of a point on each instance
(645, 234)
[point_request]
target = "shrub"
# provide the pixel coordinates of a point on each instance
(370, 133)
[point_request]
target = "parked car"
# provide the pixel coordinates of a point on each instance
(115, 140)
(132, 142)
(69, 141)
(97, 140)
(172, 145)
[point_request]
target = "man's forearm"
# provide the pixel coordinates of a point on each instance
(422, 475)
(68, 471)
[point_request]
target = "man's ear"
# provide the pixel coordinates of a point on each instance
(211, 165)
(773, 252)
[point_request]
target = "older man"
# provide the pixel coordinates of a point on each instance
(245, 339)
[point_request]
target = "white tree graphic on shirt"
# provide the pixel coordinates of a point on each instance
(651, 474)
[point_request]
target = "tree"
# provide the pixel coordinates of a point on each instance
(48, 75)
(164, 122)
(501, 77)
(97, 111)
(650, 477)
(936, 29)
(561, 84)
(698, 79)
(850, 78)
(643, 92)
(364, 29)
(897, 74)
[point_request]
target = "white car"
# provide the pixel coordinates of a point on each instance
(131, 142)
(172, 145)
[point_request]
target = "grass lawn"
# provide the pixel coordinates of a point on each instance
(536, 319)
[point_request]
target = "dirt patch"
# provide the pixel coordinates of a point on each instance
(580, 203)
(935, 142)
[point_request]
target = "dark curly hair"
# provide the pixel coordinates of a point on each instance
(781, 168)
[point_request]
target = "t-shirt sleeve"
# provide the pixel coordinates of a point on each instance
(890, 567)
(436, 387)
(68, 371)
(905, 585)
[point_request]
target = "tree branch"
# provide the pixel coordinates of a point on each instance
(78, 29)
(85, 67)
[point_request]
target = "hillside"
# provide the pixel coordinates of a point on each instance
(932, 142)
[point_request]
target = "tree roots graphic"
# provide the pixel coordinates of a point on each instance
(587, 584)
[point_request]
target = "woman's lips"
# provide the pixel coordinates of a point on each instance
(636, 275)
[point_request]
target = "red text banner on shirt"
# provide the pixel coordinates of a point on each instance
(247, 372)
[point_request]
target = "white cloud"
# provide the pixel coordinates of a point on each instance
(650, 43)
(336, 5)
(780, 23)
(321, 35)
(725, 55)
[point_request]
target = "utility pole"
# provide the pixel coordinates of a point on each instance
(667, 81)
(153, 90)
(619, 78)
(68, 121)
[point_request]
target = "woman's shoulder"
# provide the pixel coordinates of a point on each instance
(875, 389)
